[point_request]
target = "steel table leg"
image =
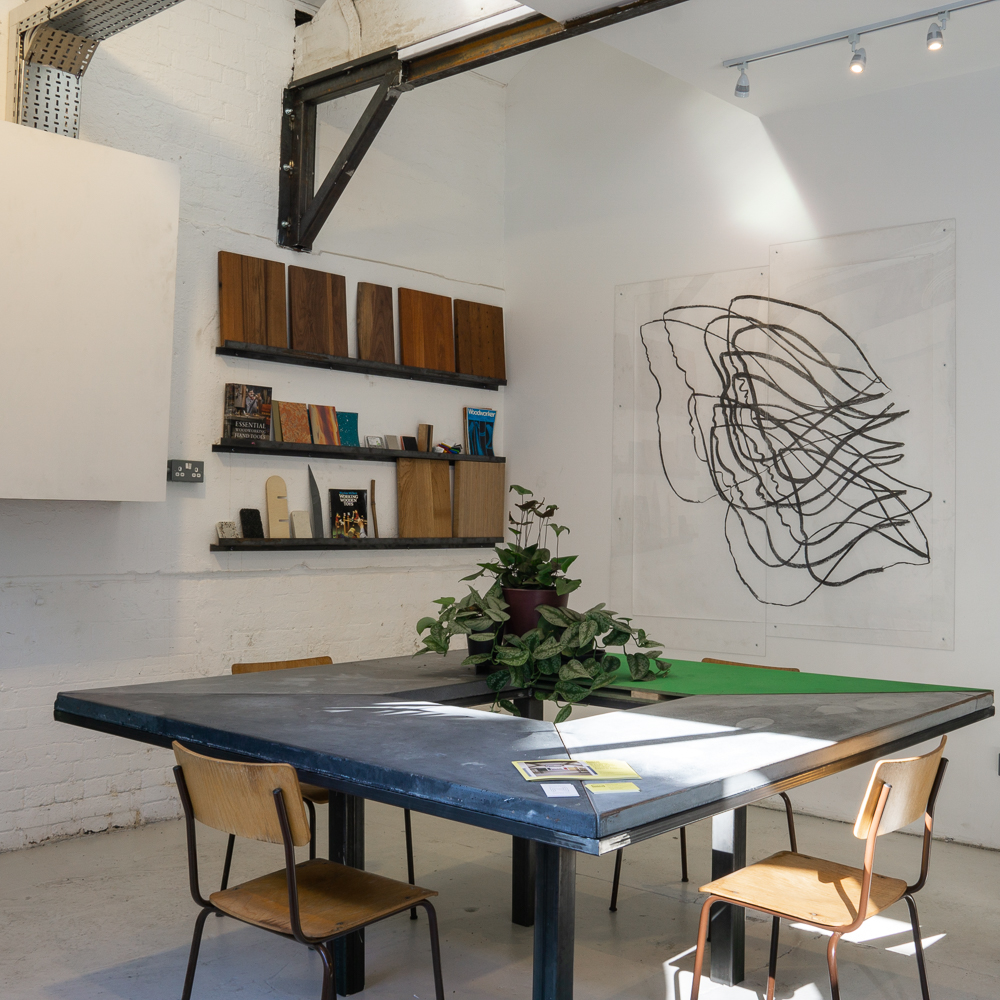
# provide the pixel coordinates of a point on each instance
(522, 852)
(728, 926)
(555, 922)
(347, 845)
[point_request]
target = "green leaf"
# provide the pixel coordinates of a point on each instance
(573, 670)
(564, 586)
(556, 616)
(563, 714)
(521, 491)
(638, 665)
(571, 692)
(509, 706)
(588, 630)
(550, 647)
(548, 666)
(425, 623)
(509, 656)
(498, 680)
(617, 638)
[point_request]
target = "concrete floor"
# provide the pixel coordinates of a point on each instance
(109, 916)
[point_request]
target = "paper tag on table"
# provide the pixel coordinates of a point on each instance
(560, 791)
(612, 786)
(572, 769)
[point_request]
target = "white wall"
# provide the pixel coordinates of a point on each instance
(618, 173)
(106, 593)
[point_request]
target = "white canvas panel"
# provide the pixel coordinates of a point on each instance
(87, 268)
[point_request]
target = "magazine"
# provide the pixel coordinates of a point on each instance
(349, 513)
(479, 430)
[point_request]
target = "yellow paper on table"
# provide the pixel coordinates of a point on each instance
(572, 769)
(612, 786)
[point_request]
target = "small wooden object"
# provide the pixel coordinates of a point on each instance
(425, 437)
(265, 665)
(299, 522)
(479, 348)
(251, 300)
(426, 334)
(372, 511)
(318, 311)
(277, 507)
(479, 500)
(376, 341)
(423, 491)
(755, 666)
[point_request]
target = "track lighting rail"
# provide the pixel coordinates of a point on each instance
(923, 15)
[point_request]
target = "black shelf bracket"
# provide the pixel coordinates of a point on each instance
(348, 544)
(301, 213)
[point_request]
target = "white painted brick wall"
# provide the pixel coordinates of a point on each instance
(96, 594)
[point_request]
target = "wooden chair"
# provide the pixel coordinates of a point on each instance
(313, 794)
(789, 816)
(831, 896)
(314, 902)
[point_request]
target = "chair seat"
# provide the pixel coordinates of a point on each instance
(333, 899)
(804, 888)
(314, 793)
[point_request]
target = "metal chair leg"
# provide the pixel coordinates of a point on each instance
(432, 924)
(790, 816)
(326, 953)
(227, 866)
(772, 965)
(684, 854)
(312, 828)
(199, 926)
(831, 960)
(614, 885)
(699, 957)
(409, 855)
(918, 945)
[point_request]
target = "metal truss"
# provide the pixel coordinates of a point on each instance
(302, 208)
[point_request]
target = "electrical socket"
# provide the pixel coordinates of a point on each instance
(179, 470)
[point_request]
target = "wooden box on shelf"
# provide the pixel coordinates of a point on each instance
(423, 498)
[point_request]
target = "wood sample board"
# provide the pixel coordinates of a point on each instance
(479, 346)
(317, 311)
(479, 499)
(426, 333)
(252, 300)
(376, 340)
(423, 498)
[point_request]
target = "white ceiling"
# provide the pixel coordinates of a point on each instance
(691, 40)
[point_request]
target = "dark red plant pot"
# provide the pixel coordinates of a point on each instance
(524, 605)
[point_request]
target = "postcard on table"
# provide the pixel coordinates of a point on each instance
(573, 770)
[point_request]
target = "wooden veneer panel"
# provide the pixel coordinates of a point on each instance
(375, 336)
(479, 339)
(423, 498)
(252, 300)
(318, 311)
(426, 334)
(479, 499)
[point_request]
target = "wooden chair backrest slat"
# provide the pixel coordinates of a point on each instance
(911, 780)
(756, 666)
(255, 668)
(239, 798)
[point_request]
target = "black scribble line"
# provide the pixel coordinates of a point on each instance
(797, 444)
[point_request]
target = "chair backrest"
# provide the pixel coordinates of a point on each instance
(239, 798)
(756, 666)
(911, 780)
(254, 668)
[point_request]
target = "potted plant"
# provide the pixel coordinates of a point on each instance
(479, 617)
(529, 575)
(561, 660)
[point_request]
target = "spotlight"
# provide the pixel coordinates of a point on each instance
(859, 59)
(743, 83)
(935, 37)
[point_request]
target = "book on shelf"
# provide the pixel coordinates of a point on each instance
(375, 441)
(479, 423)
(323, 422)
(347, 425)
(247, 413)
(291, 422)
(392, 442)
(348, 513)
(409, 443)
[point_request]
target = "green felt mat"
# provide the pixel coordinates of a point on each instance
(688, 677)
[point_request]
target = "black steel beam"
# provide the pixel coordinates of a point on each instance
(301, 213)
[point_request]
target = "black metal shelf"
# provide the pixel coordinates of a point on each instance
(348, 544)
(286, 356)
(339, 452)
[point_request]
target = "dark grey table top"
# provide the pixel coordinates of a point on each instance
(390, 730)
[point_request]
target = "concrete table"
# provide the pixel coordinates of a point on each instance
(402, 731)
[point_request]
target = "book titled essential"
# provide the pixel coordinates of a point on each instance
(349, 513)
(292, 422)
(323, 422)
(247, 415)
(347, 427)
(479, 430)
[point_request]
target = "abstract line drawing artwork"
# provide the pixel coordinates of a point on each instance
(799, 438)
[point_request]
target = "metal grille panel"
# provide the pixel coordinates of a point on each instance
(101, 19)
(60, 50)
(51, 100)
